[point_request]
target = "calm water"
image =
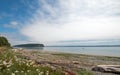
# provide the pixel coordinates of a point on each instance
(105, 51)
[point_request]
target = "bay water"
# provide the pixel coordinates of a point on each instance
(102, 51)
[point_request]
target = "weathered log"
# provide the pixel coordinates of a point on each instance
(107, 68)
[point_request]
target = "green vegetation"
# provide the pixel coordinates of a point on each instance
(4, 42)
(10, 64)
(84, 72)
(29, 45)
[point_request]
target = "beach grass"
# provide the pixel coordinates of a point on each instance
(84, 72)
(10, 64)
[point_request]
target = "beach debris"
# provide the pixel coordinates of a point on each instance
(75, 62)
(107, 68)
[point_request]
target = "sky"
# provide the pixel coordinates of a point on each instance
(61, 22)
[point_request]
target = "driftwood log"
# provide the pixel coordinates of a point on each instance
(107, 68)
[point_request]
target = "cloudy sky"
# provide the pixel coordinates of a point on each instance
(61, 22)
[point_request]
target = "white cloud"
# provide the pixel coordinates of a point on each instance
(12, 24)
(74, 20)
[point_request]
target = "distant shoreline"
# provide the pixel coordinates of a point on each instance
(88, 46)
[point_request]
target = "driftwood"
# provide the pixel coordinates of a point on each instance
(107, 68)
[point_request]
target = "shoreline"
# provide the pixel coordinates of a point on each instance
(69, 60)
(112, 52)
(48, 51)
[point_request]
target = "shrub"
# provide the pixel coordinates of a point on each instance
(4, 42)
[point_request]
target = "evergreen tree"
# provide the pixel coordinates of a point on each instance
(4, 41)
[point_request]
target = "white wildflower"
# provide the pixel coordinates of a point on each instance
(16, 71)
(8, 65)
(28, 70)
(27, 64)
(4, 62)
(12, 73)
(22, 71)
(10, 62)
(47, 73)
(40, 73)
(37, 69)
(32, 62)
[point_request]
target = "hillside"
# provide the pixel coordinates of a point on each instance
(29, 45)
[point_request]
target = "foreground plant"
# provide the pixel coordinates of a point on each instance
(12, 65)
(84, 72)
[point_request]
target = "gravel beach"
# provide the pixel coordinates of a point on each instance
(68, 61)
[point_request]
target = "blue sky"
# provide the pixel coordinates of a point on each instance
(13, 15)
(60, 22)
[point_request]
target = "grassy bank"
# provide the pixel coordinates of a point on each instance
(12, 65)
